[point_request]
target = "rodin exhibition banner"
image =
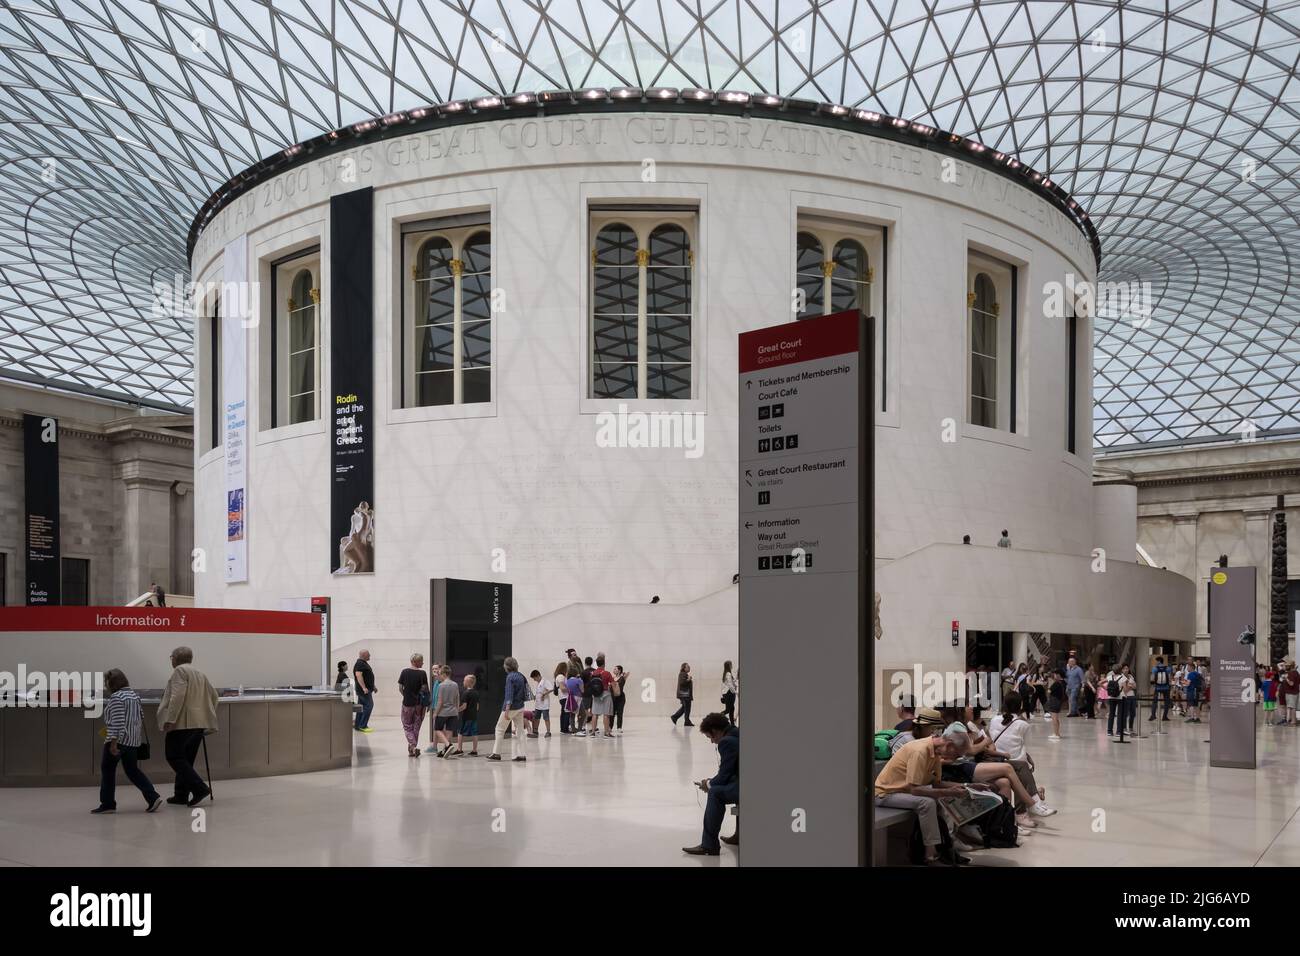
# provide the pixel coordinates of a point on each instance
(41, 490)
(352, 492)
(236, 306)
(1232, 654)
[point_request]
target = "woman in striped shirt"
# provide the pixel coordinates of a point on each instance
(124, 729)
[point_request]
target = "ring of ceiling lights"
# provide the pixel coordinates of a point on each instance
(726, 102)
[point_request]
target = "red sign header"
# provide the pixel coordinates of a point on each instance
(803, 341)
(197, 620)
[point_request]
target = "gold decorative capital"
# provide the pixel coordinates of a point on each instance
(290, 304)
(690, 257)
(457, 267)
(643, 257)
(994, 308)
(315, 296)
(970, 298)
(415, 272)
(593, 255)
(871, 273)
(828, 268)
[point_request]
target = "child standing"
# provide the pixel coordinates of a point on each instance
(542, 691)
(468, 719)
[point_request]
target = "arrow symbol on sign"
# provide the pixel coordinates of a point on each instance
(748, 383)
(748, 525)
(748, 475)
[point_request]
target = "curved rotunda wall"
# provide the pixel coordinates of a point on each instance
(607, 528)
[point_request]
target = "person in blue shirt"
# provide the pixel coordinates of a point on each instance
(512, 714)
(1161, 681)
(723, 787)
(1073, 684)
(1194, 682)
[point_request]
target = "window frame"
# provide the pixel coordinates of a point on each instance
(210, 332)
(283, 271)
(643, 220)
(874, 239)
(1004, 277)
(411, 241)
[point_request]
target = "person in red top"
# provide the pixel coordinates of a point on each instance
(602, 704)
(1292, 684)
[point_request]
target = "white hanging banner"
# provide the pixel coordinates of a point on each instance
(235, 320)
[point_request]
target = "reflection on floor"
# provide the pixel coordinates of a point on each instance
(1159, 802)
(631, 795)
(1156, 800)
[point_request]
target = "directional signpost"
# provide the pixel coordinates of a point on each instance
(804, 578)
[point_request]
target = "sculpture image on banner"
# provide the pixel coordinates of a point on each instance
(357, 547)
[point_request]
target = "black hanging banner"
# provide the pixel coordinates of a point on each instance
(351, 291)
(41, 482)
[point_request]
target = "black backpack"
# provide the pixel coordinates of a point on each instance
(597, 686)
(999, 827)
(1112, 687)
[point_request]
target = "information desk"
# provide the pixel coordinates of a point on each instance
(262, 733)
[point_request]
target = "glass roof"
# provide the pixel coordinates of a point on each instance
(1173, 124)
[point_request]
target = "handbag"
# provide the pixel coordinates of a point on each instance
(142, 752)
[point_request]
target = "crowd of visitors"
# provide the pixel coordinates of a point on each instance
(589, 700)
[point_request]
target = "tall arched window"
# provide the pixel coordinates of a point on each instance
(983, 352)
(616, 297)
(810, 275)
(303, 360)
(850, 282)
(668, 314)
(474, 376)
(642, 307)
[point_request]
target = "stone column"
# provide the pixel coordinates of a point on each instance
(145, 549)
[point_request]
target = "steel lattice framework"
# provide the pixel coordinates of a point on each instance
(1173, 124)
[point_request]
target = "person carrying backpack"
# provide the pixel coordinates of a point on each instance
(685, 694)
(601, 689)
(1121, 689)
(1161, 682)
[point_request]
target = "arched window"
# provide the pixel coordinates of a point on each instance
(849, 279)
(475, 373)
(615, 320)
(810, 275)
(302, 347)
(450, 325)
(435, 323)
(983, 352)
(216, 413)
(668, 314)
(642, 308)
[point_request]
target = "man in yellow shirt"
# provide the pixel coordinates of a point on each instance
(911, 781)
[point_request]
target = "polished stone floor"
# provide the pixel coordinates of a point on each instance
(631, 795)
(1154, 801)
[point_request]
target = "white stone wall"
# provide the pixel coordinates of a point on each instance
(583, 525)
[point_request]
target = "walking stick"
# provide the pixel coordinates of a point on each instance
(208, 768)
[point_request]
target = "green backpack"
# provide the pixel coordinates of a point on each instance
(880, 744)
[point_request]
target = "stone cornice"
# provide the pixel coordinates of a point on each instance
(1284, 470)
(114, 432)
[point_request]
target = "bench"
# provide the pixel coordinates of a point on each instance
(891, 843)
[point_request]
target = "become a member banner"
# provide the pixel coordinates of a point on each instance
(235, 306)
(352, 491)
(41, 483)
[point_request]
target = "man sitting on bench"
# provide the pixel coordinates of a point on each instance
(724, 787)
(912, 780)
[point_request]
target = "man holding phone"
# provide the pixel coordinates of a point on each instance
(723, 787)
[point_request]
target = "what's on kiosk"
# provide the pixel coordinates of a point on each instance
(805, 492)
(470, 631)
